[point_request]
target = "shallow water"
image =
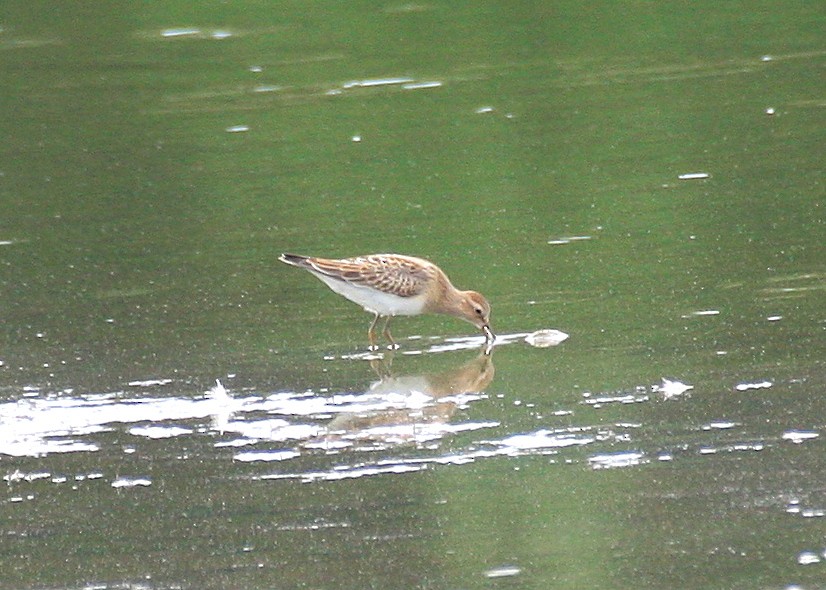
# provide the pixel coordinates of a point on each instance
(178, 409)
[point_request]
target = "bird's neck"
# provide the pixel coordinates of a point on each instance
(449, 298)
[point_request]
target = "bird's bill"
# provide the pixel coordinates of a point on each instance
(489, 336)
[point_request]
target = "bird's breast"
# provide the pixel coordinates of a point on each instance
(376, 301)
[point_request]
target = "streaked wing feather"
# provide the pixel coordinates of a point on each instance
(394, 274)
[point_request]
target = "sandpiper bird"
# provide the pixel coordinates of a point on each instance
(391, 284)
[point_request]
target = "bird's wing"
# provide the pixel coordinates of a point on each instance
(400, 275)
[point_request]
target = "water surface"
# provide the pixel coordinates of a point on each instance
(178, 409)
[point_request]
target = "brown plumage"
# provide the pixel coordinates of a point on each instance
(388, 285)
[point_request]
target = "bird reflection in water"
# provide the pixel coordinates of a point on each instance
(416, 408)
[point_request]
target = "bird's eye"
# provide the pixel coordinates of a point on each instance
(479, 311)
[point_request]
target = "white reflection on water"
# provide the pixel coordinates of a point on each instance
(396, 426)
(394, 410)
(40, 426)
(412, 412)
(131, 482)
(36, 427)
(540, 442)
(614, 460)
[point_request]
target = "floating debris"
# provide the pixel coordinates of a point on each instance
(370, 83)
(129, 482)
(180, 32)
(18, 475)
(544, 439)
(503, 572)
(546, 338)
(799, 436)
(720, 425)
(747, 386)
(614, 460)
(404, 83)
(483, 110)
(568, 240)
(770, 111)
(421, 85)
(808, 558)
(599, 401)
(671, 389)
(813, 513)
(193, 32)
(702, 312)
(237, 129)
(694, 176)
(747, 447)
(266, 456)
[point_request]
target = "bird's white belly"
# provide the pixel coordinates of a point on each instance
(374, 301)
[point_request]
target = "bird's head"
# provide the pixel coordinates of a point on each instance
(475, 309)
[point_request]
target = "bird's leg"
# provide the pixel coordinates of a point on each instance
(386, 332)
(371, 333)
(381, 365)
